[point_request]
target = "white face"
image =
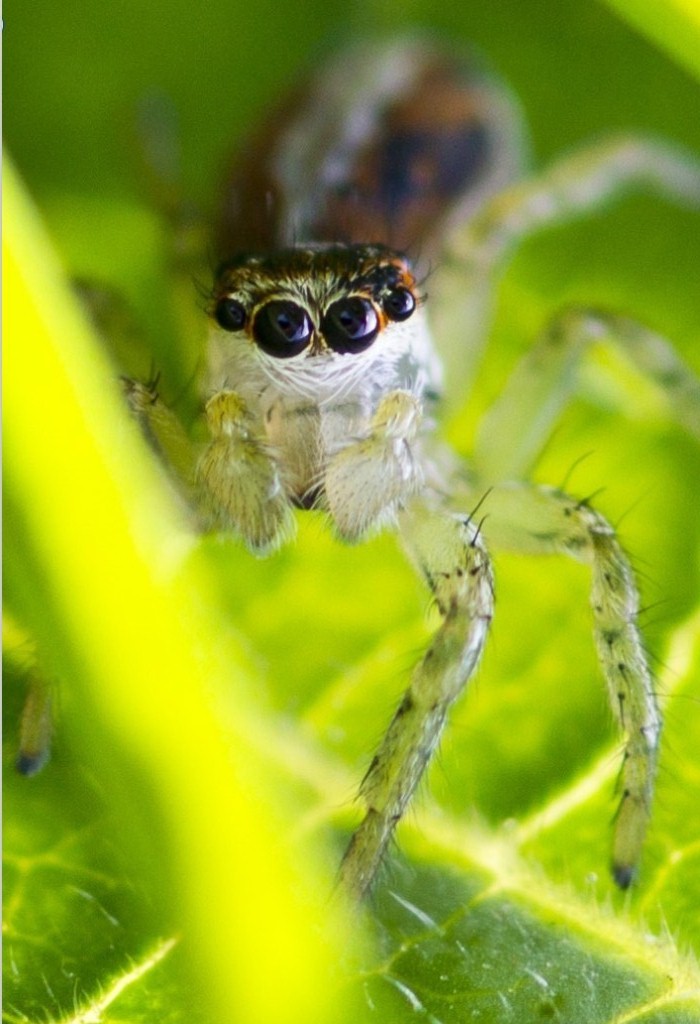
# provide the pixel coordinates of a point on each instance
(320, 326)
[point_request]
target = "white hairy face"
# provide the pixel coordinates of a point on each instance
(312, 337)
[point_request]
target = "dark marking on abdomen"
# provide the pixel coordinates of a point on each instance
(429, 165)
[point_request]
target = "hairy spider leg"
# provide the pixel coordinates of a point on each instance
(535, 520)
(448, 552)
(515, 428)
(576, 185)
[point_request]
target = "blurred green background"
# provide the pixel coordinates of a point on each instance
(77, 72)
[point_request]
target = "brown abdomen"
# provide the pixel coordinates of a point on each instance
(386, 143)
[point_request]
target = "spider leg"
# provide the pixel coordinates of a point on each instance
(577, 184)
(448, 552)
(514, 430)
(537, 520)
(36, 726)
(233, 483)
(163, 431)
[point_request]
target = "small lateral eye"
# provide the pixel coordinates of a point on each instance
(230, 314)
(281, 328)
(399, 304)
(350, 325)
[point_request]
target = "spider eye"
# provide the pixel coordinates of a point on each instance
(282, 328)
(230, 315)
(399, 304)
(350, 325)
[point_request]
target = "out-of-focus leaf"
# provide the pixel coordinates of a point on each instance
(99, 567)
(672, 24)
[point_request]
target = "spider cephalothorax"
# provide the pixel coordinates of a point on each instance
(314, 338)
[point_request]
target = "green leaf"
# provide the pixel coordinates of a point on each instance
(673, 24)
(216, 712)
(118, 608)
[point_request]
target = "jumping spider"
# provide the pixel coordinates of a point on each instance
(322, 381)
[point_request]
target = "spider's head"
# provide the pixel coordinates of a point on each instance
(314, 303)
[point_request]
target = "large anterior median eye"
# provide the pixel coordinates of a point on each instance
(282, 328)
(350, 325)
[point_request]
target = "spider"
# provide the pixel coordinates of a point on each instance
(381, 198)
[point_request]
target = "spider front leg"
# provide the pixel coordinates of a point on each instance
(448, 552)
(536, 520)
